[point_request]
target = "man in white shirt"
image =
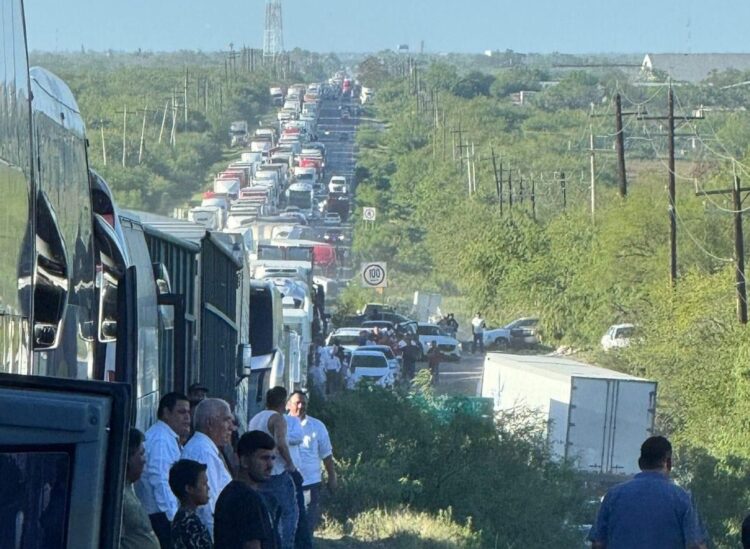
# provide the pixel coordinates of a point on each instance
(331, 363)
(162, 451)
(317, 380)
(477, 330)
(315, 450)
(214, 425)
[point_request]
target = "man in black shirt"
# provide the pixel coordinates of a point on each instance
(241, 518)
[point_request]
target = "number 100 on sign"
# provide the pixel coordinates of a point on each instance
(374, 275)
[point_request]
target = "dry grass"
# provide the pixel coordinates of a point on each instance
(399, 529)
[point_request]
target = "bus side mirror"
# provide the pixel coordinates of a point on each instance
(244, 359)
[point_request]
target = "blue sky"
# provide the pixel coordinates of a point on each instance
(575, 26)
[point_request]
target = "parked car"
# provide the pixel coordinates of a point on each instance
(332, 218)
(348, 338)
(618, 336)
(447, 345)
(393, 361)
(522, 332)
(379, 324)
(370, 366)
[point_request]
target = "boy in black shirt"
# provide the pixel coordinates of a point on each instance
(188, 481)
(241, 518)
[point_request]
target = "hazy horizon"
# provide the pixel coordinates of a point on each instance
(544, 26)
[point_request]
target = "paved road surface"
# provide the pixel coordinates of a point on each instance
(462, 377)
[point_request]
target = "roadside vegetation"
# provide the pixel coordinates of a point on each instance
(432, 471)
(579, 272)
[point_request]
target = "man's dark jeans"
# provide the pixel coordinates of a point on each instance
(478, 339)
(303, 536)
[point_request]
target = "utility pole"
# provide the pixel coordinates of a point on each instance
(468, 170)
(592, 166)
(143, 134)
(104, 143)
(187, 76)
(671, 181)
(563, 187)
(460, 133)
(163, 120)
(175, 109)
(533, 198)
(620, 147)
(672, 191)
(473, 169)
(124, 130)
(739, 253)
(124, 114)
(739, 244)
(510, 190)
(498, 185)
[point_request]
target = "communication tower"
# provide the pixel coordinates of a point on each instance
(273, 36)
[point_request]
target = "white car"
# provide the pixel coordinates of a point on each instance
(348, 338)
(370, 366)
(332, 218)
(618, 336)
(519, 333)
(394, 362)
(446, 344)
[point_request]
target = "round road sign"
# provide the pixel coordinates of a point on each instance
(374, 275)
(369, 214)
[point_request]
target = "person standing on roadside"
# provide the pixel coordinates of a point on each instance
(477, 331)
(162, 451)
(433, 361)
(649, 511)
(409, 356)
(214, 424)
(452, 325)
(136, 532)
(243, 520)
(332, 366)
(295, 437)
(315, 451)
(197, 392)
(281, 484)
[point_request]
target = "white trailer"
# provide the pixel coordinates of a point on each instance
(596, 418)
(426, 305)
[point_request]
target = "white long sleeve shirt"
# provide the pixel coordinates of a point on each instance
(294, 436)
(162, 446)
(203, 450)
(315, 447)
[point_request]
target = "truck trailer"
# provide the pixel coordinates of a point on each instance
(596, 418)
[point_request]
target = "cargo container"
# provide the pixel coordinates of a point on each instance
(596, 418)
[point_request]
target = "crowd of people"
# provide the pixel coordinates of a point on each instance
(330, 371)
(192, 483)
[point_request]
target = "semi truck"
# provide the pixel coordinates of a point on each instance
(595, 418)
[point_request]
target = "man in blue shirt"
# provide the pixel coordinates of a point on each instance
(649, 511)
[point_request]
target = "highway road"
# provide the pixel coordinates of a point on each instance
(462, 377)
(338, 137)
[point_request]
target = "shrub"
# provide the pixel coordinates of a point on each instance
(433, 453)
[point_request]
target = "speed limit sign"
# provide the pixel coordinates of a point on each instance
(369, 214)
(374, 275)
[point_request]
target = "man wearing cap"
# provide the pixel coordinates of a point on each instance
(649, 511)
(197, 392)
